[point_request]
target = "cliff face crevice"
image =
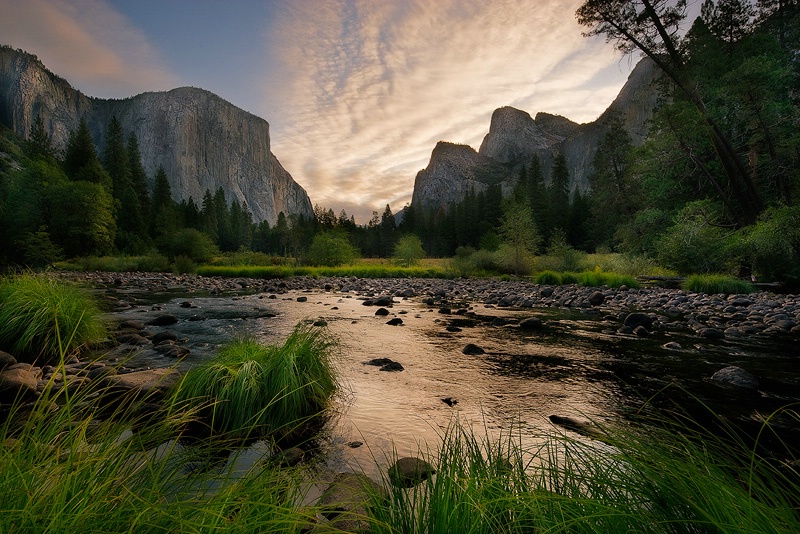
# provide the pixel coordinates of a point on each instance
(202, 141)
(514, 137)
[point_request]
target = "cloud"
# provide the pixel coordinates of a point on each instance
(367, 87)
(102, 54)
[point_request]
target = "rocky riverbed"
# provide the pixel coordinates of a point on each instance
(416, 352)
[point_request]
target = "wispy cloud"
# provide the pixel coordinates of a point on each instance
(368, 87)
(88, 41)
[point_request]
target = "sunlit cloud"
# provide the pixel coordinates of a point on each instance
(89, 40)
(368, 87)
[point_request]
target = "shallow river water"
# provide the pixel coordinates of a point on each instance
(574, 366)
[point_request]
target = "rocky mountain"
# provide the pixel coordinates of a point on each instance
(514, 137)
(202, 141)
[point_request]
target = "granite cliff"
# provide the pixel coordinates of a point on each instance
(202, 141)
(514, 137)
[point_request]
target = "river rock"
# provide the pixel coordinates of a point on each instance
(672, 345)
(381, 311)
(150, 382)
(396, 321)
(596, 298)
(170, 350)
(131, 325)
(409, 472)
(348, 494)
(126, 338)
(638, 319)
(163, 320)
(735, 376)
(6, 359)
(473, 350)
(392, 367)
(17, 383)
(530, 323)
(166, 335)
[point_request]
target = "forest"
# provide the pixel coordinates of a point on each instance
(713, 188)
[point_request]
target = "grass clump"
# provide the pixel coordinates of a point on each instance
(41, 317)
(653, 479)
(68, 471)
(548, 278)
(595, 278)
(359, 270)
(253, 389)
(716, 283)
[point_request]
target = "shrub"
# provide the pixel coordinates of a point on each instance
(190, 243)
(773, 245)
(697, 242)
(45, 318)
(716, 283)
(330, 249)
(408, 250)
(255, 389)
(548, 278)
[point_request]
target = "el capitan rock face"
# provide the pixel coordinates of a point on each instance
(514, 137)
(202, 141)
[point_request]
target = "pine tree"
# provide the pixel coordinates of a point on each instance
(138, 177)
(163, 216)
(39, 144)
(115, 158)
(80, 150)
(208, 217)
(558, 195)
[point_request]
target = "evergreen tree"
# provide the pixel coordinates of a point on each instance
(538, 197)
(558, 195)
(138, 177)
(224, 230)
(39, 144)
(80, 150)
(163, 211)
(115, 158)
(208, 217)
(729, 20)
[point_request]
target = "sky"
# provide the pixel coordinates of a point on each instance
(357, 92)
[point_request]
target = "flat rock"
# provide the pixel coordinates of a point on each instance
(147, 382)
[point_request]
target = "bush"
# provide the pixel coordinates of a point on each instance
(716, 283)
(471, 262)
(330, 249)
(188, 242)
(44, 318)
(408, 250)
(697, 243)
(254, 389)
(548, 278)
(773, 245)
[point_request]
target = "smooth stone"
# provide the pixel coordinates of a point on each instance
(395, 321)
(530, 323)
(349, 494)
(17, 384)
(473, 350)
(378, 361)
(735, 376)
(672, 345)
(596, 298)
(6, 359)
(638, 319)
(409, 472)
(132, 339)
(381, 311)
(392, 367)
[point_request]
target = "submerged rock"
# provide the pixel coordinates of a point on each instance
(408, 472)
(473, 350)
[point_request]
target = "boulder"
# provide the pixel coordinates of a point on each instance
(736, 377)
(409, 472)
(531, 323)
(638, 319)
(596, 298)
(17, 384)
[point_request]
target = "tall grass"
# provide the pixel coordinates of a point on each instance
(651, 480)
(250, 388)
(594, 278)
(716, 283)
(66, 471)
(41, 317)
(366, 270)
(150, 263)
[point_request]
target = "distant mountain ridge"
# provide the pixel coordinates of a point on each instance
(514, 137)
(202, 141)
